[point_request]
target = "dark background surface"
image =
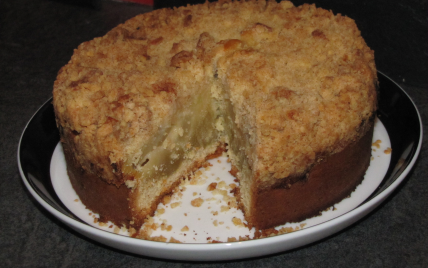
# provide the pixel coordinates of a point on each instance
(38, 37)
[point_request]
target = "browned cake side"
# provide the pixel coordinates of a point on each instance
(111, 202)
(108, 200)
(327, 183)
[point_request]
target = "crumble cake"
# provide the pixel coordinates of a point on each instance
(289, 92)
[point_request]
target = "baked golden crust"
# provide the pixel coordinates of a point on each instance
(291, 85)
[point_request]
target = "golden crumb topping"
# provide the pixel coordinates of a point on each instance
(301, 81)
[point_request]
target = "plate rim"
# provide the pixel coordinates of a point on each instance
(342, 221)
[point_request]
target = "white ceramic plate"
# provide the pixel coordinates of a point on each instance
(396, 111)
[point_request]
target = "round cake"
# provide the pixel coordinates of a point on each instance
(289, 92)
